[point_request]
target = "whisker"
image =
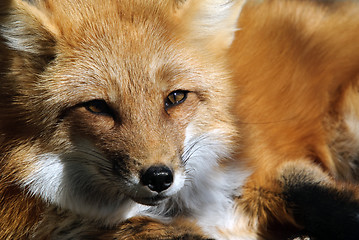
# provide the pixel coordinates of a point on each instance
(189, 150)
(188, 154)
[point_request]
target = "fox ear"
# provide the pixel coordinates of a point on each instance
(26, 27)
(210, 22)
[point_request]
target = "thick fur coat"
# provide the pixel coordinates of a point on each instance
(130, 119)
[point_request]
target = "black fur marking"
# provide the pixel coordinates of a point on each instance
(325, 212)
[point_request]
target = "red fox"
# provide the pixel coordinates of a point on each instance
(113, 109)
(133, 119)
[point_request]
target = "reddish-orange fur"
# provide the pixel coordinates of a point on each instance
(56, 57)
(296, 65)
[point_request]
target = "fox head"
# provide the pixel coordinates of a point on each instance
(109, 102)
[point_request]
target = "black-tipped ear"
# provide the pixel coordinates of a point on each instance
(209, 22)
(326, 209)
(27, 30)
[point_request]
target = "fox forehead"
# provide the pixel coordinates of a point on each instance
(120, 78)
(112, 57)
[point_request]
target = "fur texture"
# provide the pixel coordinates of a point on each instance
(296, 67)
(89, 103)
(86, 88)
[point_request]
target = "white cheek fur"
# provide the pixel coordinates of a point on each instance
(211, 187)
(47, 177)
(207, 194)
(69, 184)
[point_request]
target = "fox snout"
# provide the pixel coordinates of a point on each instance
(157, 178)
(144, 180)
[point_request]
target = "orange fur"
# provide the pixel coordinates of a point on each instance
(86, 111)
(296, 66)
(84, 90)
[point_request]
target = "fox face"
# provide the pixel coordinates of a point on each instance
(104, 108)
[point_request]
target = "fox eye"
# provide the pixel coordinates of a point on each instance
(98, 107)
(175, 98)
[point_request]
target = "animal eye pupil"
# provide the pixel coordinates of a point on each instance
(95, 109)
(98, 107)
(175, 98)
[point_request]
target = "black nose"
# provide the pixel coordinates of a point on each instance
(157, 178)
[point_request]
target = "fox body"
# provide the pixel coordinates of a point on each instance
(118, 109)
(297, 82)
(296, 68)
